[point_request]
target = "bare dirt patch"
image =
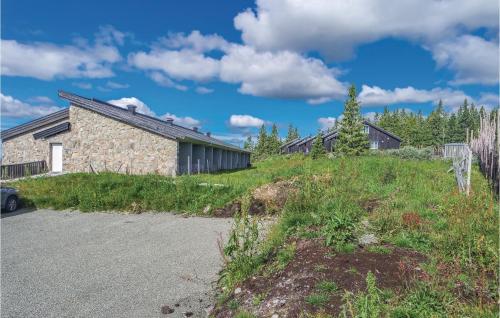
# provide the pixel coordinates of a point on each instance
(369, 205)
(267, 199)
(284, 292)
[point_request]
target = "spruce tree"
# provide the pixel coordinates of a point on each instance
(437, 125)
(352, 140)
(261, 147)
(317, 148)
(274, 142)
(248, 145)
(292, 133)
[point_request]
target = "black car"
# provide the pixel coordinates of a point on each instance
(10, 199)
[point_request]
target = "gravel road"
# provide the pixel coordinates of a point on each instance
(72, 264)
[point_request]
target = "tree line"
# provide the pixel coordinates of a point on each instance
(436, 129)
(414, 129)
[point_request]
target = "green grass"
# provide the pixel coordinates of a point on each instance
(327, 286)
(317, 299)
(418, 207)
(118, 192)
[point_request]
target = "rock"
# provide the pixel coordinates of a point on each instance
(275, 316)
(188, 314)
(176, 305)
(368, 239)
(237, 291)
(166, 310)
(207, 209)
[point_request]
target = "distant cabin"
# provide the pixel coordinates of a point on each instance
(93, 136)
(379, 139)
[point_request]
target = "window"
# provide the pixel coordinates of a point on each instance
(374, 144)
(366, 129)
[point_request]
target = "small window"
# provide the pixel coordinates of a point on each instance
(366, 129)
(374, 144)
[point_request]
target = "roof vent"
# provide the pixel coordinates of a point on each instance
(131, 108)
(169, 120)
(195, 129)
(209, 134)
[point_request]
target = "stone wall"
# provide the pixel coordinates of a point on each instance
(99, 142)
(25, 148)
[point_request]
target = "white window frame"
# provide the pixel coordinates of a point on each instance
(374, 144)
(366, 129)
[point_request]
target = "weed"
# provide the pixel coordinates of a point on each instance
(327, 286)
(365, 304)
(317, 299)
(258, 298)
(244, 314)
(233, 304)
(379, 249)
(285, 255)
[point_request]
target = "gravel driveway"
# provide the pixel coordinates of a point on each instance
(71, 264)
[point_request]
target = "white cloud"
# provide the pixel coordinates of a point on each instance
(376, 96)
(183, 121)
(41, 99)
(282, 74)
(164, 81)
(369, 116)
(473, 59)
(204, 90)
(82, 85)
(327, 122)
(336, 28)
(47, 61)
(235, 139)
(115, 85)
(194, 41)
(144, 109)
(180, 65)
(14, 108)
(141, 106)
(243, 121)
(488, 100)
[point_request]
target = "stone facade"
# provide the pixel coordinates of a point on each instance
(98, 143)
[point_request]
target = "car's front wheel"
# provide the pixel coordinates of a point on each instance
(11, 203)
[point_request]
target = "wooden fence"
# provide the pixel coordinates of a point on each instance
(486, 146)
(22, 170)
(461, 155)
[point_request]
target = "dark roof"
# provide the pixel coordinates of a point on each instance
(35, 124)
(52, 131)
(149, 123)
(305, 139)
(290, 143)
(366, 122)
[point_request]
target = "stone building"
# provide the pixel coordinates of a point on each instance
(93, 136)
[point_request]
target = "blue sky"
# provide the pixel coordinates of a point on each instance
(229, 66)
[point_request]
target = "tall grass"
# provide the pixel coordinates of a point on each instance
(417, 206)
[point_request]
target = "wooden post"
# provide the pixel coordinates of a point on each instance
(208, 167)
(469, 169)
(198, 166)
(189, 164)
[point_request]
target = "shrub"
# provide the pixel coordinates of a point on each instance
(409, 152)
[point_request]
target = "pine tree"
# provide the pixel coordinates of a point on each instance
(248, 145)
(292, 134)
(454, 133)
(352, 140)
(317, 148)
(261, 147)
(437, 125)
(274, 142)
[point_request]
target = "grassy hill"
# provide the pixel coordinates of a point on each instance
(434, 251)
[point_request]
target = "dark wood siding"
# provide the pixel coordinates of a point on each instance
(384, 140)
